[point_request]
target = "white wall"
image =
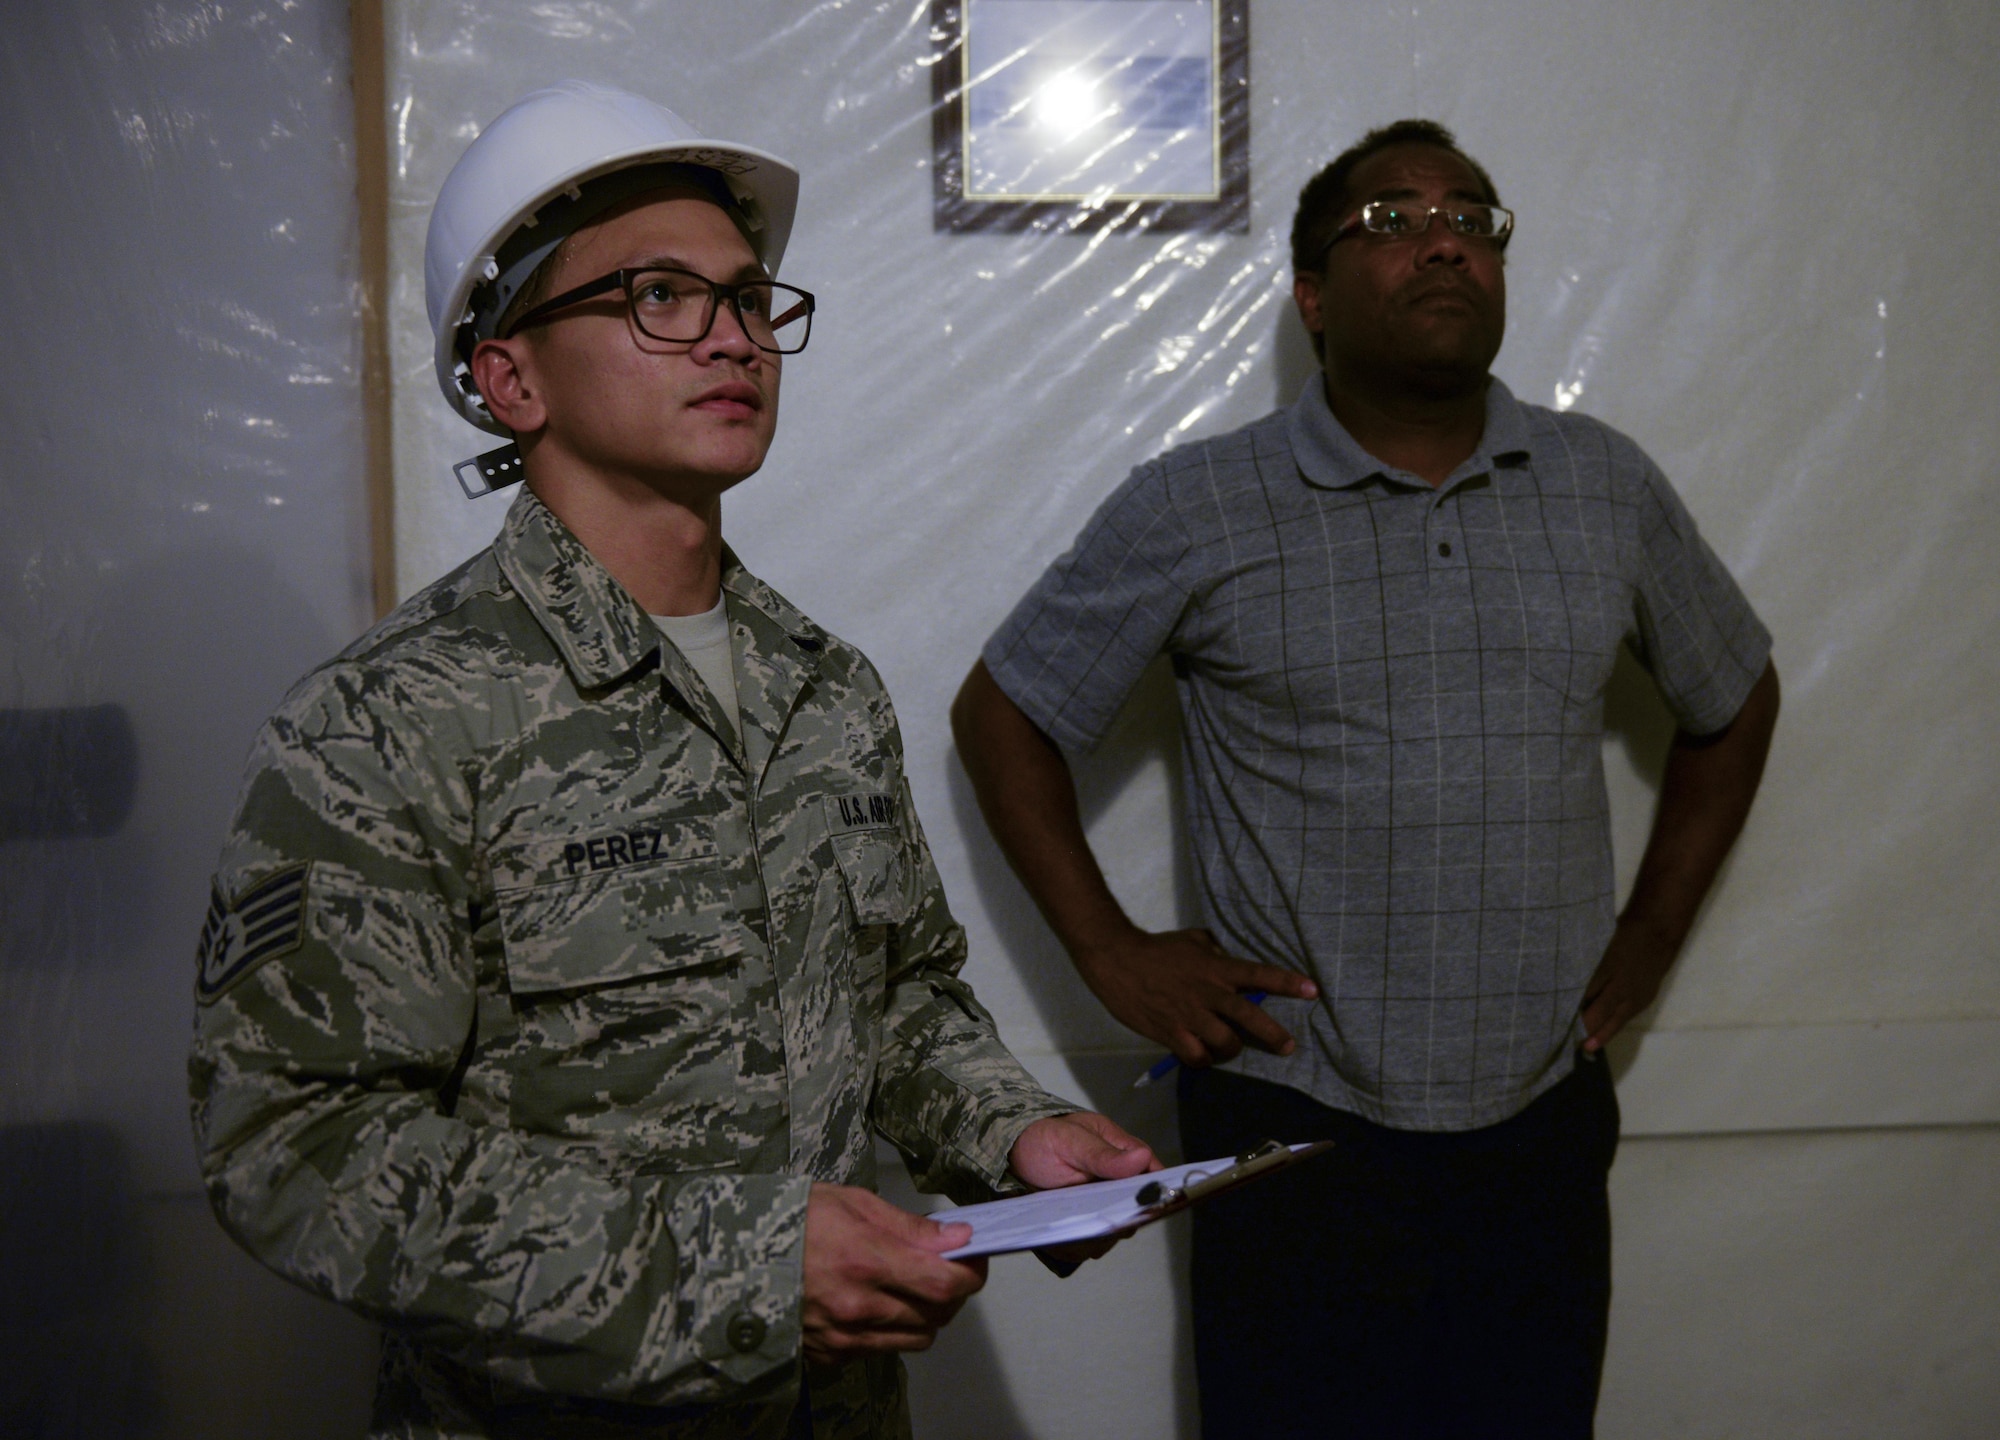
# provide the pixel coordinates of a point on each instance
(1755, 237)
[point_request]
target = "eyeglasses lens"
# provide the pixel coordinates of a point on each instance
(1389, 217)
(674, 306)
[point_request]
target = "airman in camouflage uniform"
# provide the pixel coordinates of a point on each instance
(536, 996)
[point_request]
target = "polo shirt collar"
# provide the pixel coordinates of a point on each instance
(1332, 459)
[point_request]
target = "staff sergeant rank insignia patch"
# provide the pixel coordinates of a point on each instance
(267, 919)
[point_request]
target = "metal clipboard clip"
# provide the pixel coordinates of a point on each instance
(1260, 1159)
(1157, 1200)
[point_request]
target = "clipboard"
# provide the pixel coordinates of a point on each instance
(1109, 1207)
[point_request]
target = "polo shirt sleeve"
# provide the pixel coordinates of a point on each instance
(1695, 631)
(1078, 641)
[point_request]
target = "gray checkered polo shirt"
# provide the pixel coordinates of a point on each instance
(1392, 706)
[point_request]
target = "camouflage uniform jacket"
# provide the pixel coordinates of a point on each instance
(532, 1001)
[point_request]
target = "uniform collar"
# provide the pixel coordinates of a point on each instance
(600, 630)
(777, 654)
(758, 596)
(603, 634)
(1332, 459)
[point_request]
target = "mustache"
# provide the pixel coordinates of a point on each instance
(1425, 287)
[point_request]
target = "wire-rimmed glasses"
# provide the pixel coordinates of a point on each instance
(678, 307)
(1402, 219)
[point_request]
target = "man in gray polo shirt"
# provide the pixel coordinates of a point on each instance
(1392, 611)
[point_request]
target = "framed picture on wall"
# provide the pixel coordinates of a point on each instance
(1078, 114)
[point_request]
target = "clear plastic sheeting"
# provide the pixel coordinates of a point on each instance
(1750, 236)
(1742, 240)
(1729, 247)
(1079, 98)
(184, 536)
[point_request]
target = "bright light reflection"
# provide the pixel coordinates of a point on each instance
(1067, 104)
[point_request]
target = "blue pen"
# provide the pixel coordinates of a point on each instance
(1164, 1066)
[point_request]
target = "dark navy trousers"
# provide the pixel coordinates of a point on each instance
(1407, 1284)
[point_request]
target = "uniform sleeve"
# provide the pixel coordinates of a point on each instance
(1078, 641)
(948, 1094)
(336, 996)
(1694, 629)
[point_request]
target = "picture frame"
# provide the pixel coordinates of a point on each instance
(1078, 115)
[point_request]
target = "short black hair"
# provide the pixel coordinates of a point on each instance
(1324, 198)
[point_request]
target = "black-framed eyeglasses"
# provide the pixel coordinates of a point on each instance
(678, 306)
(1402, 219)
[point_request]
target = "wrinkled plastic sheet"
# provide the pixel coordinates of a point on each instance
(185, 534)
(1751, 237)
(186, 528)
(1733, 245)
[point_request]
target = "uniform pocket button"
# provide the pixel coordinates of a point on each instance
(746, 1333)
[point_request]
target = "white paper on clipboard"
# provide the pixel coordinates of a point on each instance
(1105, 1207)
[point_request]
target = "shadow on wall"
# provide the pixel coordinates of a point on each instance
(202, 641)
(1146, 735)
(71, 1306)
(66, 771)
(1638, 724)
(1637, 721)
(1145, 739)
(958, 1390)
(194, 646)
(111, 815)
(1292, 354)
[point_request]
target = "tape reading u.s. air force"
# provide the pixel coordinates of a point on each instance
(266, 920)
(865, 811)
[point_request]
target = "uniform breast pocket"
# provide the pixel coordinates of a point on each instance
(625, 970)
(601, 909)
(876, 873)
(877, 884)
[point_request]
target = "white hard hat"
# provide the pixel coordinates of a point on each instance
(526, 172)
